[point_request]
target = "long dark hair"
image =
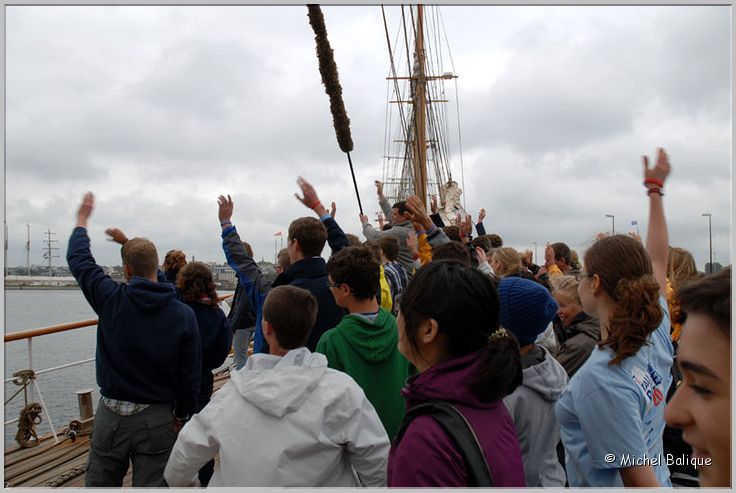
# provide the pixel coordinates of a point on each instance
(464, 303)
(626, 274)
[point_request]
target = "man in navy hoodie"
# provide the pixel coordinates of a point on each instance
(147, 359)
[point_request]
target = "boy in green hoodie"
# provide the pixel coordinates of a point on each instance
(364, 343)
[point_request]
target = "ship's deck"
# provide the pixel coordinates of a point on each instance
(58, 465)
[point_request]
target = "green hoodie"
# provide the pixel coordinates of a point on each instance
(367, 351)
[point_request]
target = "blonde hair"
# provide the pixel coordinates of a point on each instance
(680, 267)
(509, 259)
(567, 286)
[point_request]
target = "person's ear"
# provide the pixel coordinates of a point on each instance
(267, 328)
(127, 271)
(595, 284)
(429, 331)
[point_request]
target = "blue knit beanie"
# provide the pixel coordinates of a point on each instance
(527, 308)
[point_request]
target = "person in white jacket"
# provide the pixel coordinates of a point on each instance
(285, 419)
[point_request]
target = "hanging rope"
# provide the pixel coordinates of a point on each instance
(457, 103)
(29, 417)
(331, 81)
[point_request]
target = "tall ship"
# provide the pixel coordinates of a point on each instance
(422, 141)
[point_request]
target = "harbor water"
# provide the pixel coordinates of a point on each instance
(31, 309)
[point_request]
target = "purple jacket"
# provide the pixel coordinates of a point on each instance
(426, 455)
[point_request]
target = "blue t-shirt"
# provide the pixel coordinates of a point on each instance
(613, 416)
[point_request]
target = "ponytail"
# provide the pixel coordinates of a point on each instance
(498, 371)
(636, 315)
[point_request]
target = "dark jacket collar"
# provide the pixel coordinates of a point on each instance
(309, 268)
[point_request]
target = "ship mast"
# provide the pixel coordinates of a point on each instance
(420, 113)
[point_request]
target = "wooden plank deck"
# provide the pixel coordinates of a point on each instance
(59, 465)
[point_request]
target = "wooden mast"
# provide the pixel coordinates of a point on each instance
(420, 113)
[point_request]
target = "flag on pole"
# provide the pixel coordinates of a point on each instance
(278, 234)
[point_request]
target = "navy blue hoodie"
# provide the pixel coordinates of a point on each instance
(148, 346)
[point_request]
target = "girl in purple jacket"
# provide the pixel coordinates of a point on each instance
(449, 330)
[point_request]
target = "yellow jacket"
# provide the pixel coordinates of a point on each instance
(386, 301)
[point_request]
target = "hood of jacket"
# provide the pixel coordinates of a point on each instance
(447, 381)
(306, 268)
(149, 296)
(278, 385)
(584, 324)
(374, 341)
(546, 376)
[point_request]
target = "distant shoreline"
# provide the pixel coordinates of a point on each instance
(30, 288)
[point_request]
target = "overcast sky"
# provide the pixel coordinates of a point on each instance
(158, 110)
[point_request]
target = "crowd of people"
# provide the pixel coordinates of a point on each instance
(420, 357)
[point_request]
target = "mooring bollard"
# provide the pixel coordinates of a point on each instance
(83, 426)
(84, 397)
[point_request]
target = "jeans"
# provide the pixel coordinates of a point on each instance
(241, 339)
(145, 439)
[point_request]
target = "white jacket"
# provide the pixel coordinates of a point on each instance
(284, 421)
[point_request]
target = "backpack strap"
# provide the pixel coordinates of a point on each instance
(454, 424)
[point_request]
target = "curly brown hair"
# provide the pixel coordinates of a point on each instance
(195, 282)
(626, 275)
(174, 261)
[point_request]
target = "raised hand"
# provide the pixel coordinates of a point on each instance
(468, 226)
(418, 212)
(116, 235)
(379, 187)
(364, 219)
(381, 221)
(433, 204)
(481, 215)
(85, 208)
(412, 243)
(656, 175)
(224, 208)
(600, 236)
(310, 198)
(482, 257)
(333, 210)
(635, 236)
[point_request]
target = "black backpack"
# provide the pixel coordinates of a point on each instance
(460, 432)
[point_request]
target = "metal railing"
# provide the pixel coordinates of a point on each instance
(54, 329)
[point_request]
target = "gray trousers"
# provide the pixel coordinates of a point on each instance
(144, 439)
(241, 339)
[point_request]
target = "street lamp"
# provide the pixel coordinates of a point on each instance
(613, 223)
(710, 242)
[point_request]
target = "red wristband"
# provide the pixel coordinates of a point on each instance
(653, 181)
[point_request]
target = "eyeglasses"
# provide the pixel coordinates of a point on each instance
(334, 284)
